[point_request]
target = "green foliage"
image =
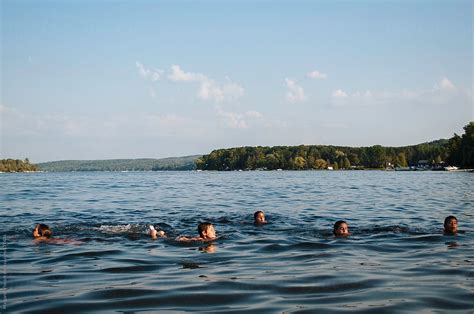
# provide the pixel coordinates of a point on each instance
(320, 164)
(175, 163)
(299, 163)
(17, 165)
(346, 163)
(319, 157)
(462, 148)
(401, 160)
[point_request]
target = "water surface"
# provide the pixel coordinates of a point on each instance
(396, 260)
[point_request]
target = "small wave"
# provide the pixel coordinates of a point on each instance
(119, 229)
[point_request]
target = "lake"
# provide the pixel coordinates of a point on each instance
(396, 260)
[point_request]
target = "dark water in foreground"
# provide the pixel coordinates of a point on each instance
(397, 259)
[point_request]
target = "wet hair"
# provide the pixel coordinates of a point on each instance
(337, 224)
(44, 230)
(202, 227)
(256, 214)
(448, 219)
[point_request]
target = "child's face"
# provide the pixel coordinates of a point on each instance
(451, 226)
(260, 218)
(36, 233)
(342, 230)
(210, 233)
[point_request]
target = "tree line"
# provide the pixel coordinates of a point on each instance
(455, 151)
(17, 165)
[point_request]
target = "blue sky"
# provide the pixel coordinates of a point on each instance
(134, 79)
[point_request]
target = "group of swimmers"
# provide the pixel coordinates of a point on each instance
(207, 232)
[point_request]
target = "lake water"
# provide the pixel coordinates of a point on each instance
(396, 260)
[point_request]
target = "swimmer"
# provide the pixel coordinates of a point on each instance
(206, 233)
(341, 229)
(451, 225)
(259, 218)
(42, 232)
(156, 233)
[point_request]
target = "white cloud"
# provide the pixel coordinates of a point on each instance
(178, 75)
(295, 92)
(446, 85)
(443, 92)
(316, 75)
(235, 120)
(208, 88)
(153, 75)
(231, 120)
(339, 94)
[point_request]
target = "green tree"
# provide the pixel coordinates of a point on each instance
(346, 163)
(376, 156)
(467, 146)
(299, 163)
(320, 164)
(454, 147)
(402, 161)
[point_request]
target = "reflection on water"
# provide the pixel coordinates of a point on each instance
(397, 258)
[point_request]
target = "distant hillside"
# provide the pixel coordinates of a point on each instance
(146, 164)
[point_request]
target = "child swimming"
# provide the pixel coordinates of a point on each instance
(259, 218)
(451, 225)
(156, 233)
(341, 229)
(42, 232)
(206, 233)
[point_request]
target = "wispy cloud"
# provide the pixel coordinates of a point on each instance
(232, 120)
(115, 126)
(236, 120)
(442, 93)
(248, 120)
(446, 85)
(295, 93)
(151, 74)
(178, 75)
(208, 89)
(339, 93)
(211, 90)
(316, 75)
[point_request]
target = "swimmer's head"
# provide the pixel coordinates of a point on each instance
(259, 217)
(206, 230)
(42, 231)
(451, 224)
(341, 228)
